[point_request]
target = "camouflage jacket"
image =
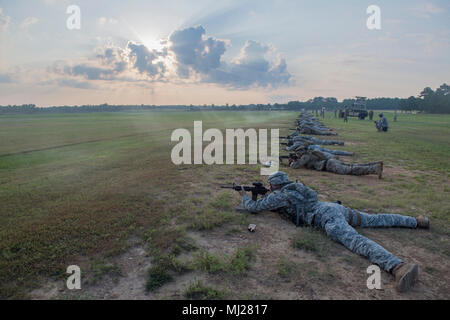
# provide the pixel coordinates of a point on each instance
(292, 198)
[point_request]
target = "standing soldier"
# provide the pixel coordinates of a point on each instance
(395, 116)
(371, 115)
(346, 114)
(335, 113)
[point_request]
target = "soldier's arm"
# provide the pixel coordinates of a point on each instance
(321, 155)
(272, 202)
(301, 162)
(294, 146)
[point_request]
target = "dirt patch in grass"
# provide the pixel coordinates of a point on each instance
(176, 214)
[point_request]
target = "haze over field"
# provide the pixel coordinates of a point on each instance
(204, 52)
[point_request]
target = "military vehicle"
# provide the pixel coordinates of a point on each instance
(357, 109)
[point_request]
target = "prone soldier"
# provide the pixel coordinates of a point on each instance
(301, 204)
(324, 161)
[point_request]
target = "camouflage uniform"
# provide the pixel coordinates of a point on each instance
(382, 124)
(316, 141)
(335, 219)
(316, 147)
(325, 161)
(305, 129)
(357, 169)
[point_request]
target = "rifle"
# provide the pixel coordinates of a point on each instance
(291, 156)
(258, 188)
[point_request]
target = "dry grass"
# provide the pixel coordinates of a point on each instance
(61, 205)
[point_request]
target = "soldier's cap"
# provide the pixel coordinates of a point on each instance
(279, 178)
(380, 115)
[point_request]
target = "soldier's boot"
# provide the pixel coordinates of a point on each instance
(406, 275)
(423, 222)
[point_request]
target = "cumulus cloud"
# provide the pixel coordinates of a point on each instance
(251, 68)
(145, 60)
(426, 10)
(90, 72)
(28, 22)
(103, 21)
(75, 84)
(196, 52)
(187, 55)
(113, 57)
(4, 21)
(5, 78)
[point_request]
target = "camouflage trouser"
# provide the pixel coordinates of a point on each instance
(335, 152)
(334, 219)
(318, 132)
(339, 167)
(380, 127)
(327, 142)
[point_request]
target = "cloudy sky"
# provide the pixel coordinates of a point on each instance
(229, 51)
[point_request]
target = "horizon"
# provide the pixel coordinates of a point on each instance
(182, 53)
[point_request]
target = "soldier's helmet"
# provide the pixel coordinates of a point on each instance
(279, 178)
(380, 115)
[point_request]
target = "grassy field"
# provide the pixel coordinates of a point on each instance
(99, 191)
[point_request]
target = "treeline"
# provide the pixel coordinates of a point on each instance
(31, 108)
(332, 103)
(429, 101)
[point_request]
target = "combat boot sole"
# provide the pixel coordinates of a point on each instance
(408, 280)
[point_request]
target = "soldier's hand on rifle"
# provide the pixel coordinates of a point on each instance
(242, 192)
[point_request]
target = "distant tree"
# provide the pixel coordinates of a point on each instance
(435, 101)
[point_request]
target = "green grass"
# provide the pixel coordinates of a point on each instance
(241, 261)
(80, 185)
(100, 268)
(165, 267)
(285, 267)
(208, 262)
(157, 276)
(311, 240)
(198, 291)
(236, 264)
(415, 141)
